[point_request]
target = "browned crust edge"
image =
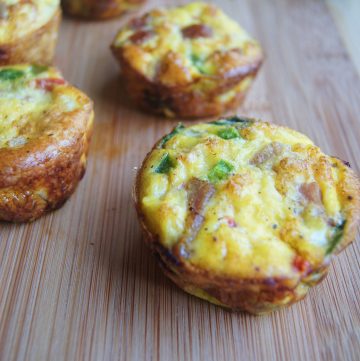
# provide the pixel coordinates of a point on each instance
(183, 101)
(42, 175)
(100, 10)
(352, 210)
(37, 47)
(255, 296)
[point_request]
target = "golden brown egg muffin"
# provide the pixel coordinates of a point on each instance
(45, 128)
(245, 214)
(99, 9)
(189, 61)
(28, 31)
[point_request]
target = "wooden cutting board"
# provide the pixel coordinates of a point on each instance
(79, 284)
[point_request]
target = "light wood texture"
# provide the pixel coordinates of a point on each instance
(346, 15)
(79, 284)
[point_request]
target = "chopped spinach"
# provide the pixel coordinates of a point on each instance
(220, 171)
(38, 69)
(228, 133)
(167, 137)
(236, 121)
(198, 63)
(195, 59)
(11, 74)
(336, 238)
(165, 164)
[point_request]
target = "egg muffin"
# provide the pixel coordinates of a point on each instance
(99, 9)
(45, 128)
(189, 61)
(28, 31)
(245, 214)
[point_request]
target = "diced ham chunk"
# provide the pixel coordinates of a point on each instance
(301, 264)
(311, 192)
(266, 153)
(138, 23)
(140, 36)
(49, 83)
(197, 31)
(199, 195)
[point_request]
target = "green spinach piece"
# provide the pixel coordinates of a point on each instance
(11, 74)
(165, 164)
(220, 171)
(198, 63)
(336, 238)
(228, 133)
(235, 121)
(38, 69)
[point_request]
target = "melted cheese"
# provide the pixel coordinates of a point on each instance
(19, 18)
(258, 220)
(27, 109)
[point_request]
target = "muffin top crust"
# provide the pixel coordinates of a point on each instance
(32, 102)
(21, 17)
(179, 45)
(249, 199)
(40, 116)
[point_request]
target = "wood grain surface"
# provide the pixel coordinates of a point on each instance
(79, 284)
(346, 15)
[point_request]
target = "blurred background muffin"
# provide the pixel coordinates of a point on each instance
(99, 9)
(28, 31)
(188, 61)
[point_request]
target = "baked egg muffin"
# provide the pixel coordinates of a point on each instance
(99, 9)
(28, 31)
(45, 128)
(189, 61)
(245, 214)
